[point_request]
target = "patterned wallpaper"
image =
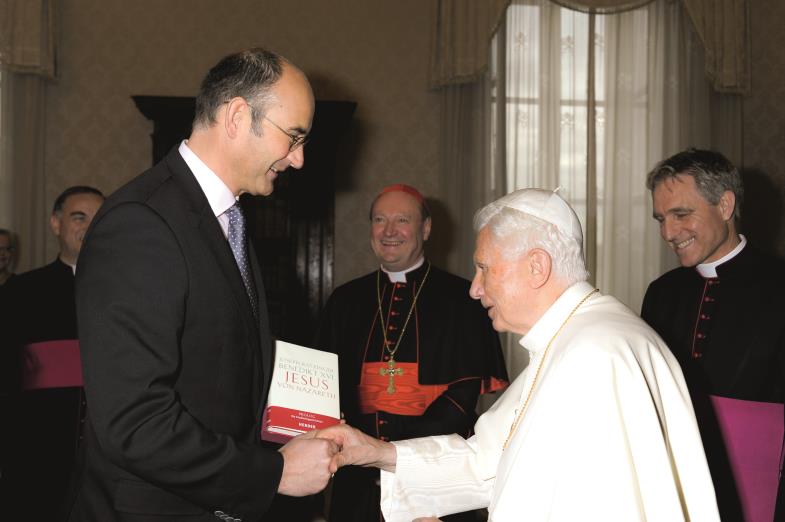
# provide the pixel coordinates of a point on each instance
(372, 52)
(764, 129)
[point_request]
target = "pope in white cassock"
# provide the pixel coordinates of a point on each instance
(599, 426)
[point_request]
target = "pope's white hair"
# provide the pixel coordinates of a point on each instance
(517, 233)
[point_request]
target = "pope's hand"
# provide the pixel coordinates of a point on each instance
(306, 465)
(358, 449)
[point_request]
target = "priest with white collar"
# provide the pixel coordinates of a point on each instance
(721, 314)
(415, 351)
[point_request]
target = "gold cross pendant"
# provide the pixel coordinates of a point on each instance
(391, 371)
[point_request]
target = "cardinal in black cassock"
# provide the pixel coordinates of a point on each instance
(415, 351)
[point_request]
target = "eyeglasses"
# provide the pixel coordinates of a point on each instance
(6, 250)
(295, 140)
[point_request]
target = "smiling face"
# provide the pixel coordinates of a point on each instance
(697, 231)
(71, 222)
(398, 232)
(502, 286)
(263, 154)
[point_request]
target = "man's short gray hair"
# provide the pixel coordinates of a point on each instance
(713, 174)
(519, 233)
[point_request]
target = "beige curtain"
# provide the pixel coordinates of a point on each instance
(602, 6)
(23, 163)
(723, 27)
(27, 59)
(473, 166)
(27, 36)
(647, 86)
(463, 30)
(461, 38)
(464, 180)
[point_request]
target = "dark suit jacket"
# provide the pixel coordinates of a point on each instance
(174, 361)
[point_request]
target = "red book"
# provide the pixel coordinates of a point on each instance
(303, 393)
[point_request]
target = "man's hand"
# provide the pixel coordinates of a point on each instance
(359, 449)
(306, 465)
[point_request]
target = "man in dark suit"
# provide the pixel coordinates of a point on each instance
(176, 349)
(720, 312)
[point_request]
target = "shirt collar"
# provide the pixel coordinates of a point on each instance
(218, 194)
(69, 265)
(400, 277)
(709, 270)
(546, 327)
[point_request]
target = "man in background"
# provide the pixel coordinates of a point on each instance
(415, 351)
(720, 312)
(44, 424)
(176, 346)
(598, 427)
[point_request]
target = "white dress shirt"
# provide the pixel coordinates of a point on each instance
(218, 194)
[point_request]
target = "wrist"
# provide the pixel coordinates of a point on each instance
(389, 456)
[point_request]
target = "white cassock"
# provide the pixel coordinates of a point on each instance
(609, 434)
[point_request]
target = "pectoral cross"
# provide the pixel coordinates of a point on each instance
(391, 371)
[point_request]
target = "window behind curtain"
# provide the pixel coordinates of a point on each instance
(631, 117)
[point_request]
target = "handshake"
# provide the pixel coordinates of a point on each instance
(312, 458)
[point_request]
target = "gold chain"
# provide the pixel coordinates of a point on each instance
(519, 418)
(409, 316)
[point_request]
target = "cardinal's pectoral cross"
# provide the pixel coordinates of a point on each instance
(391, 371)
